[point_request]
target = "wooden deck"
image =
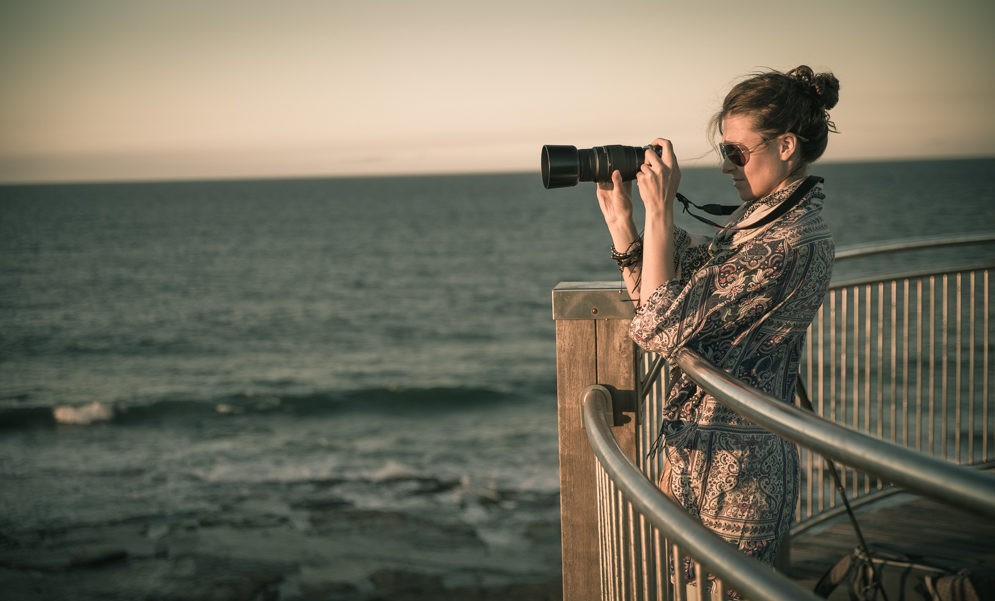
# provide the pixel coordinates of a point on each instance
(913, 525)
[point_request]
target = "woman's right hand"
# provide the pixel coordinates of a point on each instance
(615, 200)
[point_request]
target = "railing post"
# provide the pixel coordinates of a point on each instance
(592, 347)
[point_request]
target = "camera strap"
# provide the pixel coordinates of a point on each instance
(796, 197)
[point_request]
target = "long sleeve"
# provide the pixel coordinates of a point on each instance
(747, 306)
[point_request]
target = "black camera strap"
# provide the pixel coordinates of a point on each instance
(796, 197)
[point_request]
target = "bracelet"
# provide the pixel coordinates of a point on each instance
(632, 256)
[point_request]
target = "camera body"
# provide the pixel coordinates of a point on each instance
(564, 166)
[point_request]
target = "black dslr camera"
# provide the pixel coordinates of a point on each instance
(564, 166)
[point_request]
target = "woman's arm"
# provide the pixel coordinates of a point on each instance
(658, 180)
(615, 200)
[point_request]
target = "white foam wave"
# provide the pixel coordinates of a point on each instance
(83, 414)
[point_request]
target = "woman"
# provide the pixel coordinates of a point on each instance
(743, 299)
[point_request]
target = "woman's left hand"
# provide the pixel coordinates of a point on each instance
(659, 177)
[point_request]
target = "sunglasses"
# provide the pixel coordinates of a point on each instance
(738, 154)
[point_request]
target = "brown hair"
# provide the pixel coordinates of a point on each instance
(797, 101)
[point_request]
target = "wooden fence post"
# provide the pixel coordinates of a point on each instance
(592, 347)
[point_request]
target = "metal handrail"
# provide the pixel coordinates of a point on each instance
(910, 274)
(877, 248)
(923, 474)
(745, 574)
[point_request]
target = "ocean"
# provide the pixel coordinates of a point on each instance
(336, 389)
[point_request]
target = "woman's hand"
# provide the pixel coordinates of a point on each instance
(615, 200)
(658, 179)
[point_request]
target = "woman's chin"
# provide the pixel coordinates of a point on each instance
(743, 187)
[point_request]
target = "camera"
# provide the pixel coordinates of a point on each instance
(564, 166)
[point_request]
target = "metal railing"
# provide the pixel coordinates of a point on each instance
(646, 537)
(906, 359)
(900, 369)
(949, 483)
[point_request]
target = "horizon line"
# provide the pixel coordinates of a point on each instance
(696, 165)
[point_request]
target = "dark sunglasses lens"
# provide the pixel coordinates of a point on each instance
(734, 153)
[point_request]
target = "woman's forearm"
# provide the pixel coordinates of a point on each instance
(658, 251)
(625, 238)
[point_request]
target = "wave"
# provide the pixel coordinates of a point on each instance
(374, 400)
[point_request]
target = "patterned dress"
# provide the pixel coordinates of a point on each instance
(744, 301)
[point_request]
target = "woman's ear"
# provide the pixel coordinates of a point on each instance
(788, 146)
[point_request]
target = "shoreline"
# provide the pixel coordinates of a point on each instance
(326, 551)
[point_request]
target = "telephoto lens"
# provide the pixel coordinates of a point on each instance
(564, 166)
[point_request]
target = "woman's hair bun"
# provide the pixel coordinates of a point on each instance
(824, 85)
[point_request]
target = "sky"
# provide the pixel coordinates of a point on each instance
(95, 90)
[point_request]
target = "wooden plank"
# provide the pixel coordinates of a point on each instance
(616, 371)
(576, 369)
(916, 526)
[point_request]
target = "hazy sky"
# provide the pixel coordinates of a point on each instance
(139, 89)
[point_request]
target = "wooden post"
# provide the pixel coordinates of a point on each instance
(592, 347)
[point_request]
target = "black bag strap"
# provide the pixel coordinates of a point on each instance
(806, 403)
(796, 197)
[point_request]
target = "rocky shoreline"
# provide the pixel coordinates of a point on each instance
(321, 549)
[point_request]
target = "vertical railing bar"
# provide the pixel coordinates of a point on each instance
(919, 359)
(629, 552)
(642, 428)
(972, 308)
(621, 545)
(701, 580)
(618, 574)
(644, 557)
(680, 580)
(634, 567)
(649, 409)
(610, 583)
(986, 401)
(602, 554)
(625, 547)
(839, 404)
(618, 567)
(894, 362)
(820, 402)
(820, 352)
(944, 368)
(932, 362)
(805, 491)
(958, 369)
(619, 550)
(905, 362)
(855, 375)
(867, 374)
(658, 552)
(666, 561)
(844, 352)
(881, 353)
(606, 555)
(828, 500)
(721, 590)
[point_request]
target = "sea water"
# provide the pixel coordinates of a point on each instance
(325, 389)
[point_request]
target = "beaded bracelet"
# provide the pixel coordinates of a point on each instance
(632, 256)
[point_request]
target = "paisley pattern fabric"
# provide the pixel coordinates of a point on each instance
(744, 301)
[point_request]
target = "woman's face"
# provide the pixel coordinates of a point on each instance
(768, 166)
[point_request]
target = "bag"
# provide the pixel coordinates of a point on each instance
(884, 574)
(903, 577)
